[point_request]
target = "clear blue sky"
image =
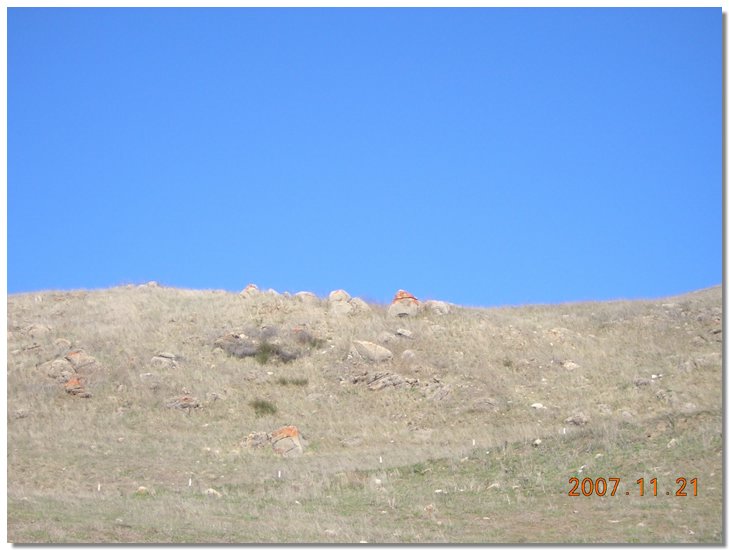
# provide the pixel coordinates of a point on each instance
(478, 156)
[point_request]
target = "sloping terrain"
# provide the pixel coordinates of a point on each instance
(130, 410)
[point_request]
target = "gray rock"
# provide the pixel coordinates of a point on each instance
(79, 358)
(339, 296)
(307, 297)
(359, 305)
(577, 419)
(437, 307)
(404, 308)
(371, 351)
(341, 308)
(383, 379)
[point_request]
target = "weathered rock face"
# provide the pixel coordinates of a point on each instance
(404, 304)
(370, 351)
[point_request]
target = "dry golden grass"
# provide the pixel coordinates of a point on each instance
(381, 466)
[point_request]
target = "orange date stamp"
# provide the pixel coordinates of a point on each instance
(601, 487)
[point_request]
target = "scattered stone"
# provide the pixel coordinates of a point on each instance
(671, 444)
(183, 402)
(642, 381)
(164, 360)
(578, 419)
(405, 333)
(437, 307)
(536, 443)
(404, 304)
(538, 406)
(210, 492)
(143, 491)
(384, 379)
(371, 351)
(604, 409)
(570, 365)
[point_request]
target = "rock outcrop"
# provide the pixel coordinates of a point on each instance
(404, 304)
(286, 441)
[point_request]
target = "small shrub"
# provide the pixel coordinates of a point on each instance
(264, 352)
(263, 407)
(293, 381)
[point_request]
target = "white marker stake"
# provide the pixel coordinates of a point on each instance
(380, 460)
(474, 442)
(279, 474)
(98, 488)
(189, 482)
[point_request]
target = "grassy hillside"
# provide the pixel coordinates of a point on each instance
(491, 413)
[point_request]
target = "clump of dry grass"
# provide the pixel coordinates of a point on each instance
(647, 373)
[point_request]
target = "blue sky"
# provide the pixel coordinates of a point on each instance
(478, 156)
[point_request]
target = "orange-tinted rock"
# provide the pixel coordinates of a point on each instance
(404, 304)
(287, 441)
(79, 358)
(250, 290)
(401, 295)
(76, 386)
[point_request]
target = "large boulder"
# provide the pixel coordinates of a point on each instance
(371, 351)
(287, 441)
(404, 304)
